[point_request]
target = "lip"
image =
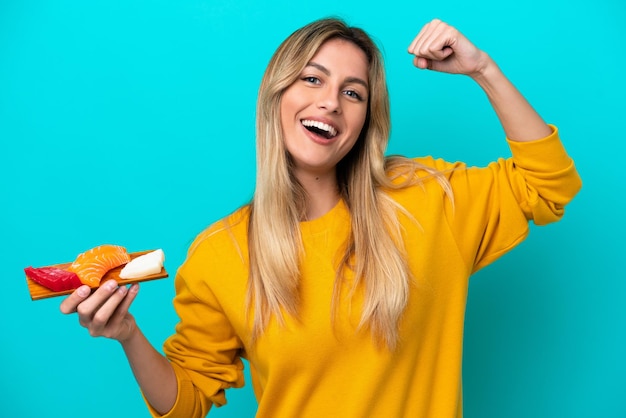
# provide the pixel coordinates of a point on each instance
(315, 138)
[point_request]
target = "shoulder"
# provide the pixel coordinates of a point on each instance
(228, 234)
(217, 258)
(426, 176)
(400, 169)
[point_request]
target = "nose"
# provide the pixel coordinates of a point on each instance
(328, 99)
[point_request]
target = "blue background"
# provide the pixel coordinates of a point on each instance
(132, 122)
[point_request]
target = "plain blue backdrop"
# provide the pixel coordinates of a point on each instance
(132, 122)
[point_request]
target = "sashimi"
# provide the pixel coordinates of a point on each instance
(53, 278)
(93, 264)
(144, 265)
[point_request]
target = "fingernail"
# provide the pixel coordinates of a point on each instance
(83, 291)
(110, 285)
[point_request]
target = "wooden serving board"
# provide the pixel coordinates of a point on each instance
(38, 291)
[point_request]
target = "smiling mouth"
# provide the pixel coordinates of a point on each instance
(320, 128)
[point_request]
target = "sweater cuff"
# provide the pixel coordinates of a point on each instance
(187, 404)
(541, 155)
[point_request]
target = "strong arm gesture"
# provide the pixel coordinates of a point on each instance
(441, 47)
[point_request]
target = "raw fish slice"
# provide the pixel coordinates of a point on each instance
(144, 265)
(91, 265)
(53, 278)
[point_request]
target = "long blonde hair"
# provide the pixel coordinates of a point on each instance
(375, 245)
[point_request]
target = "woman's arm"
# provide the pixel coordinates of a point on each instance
(441, 47)
(105, 313)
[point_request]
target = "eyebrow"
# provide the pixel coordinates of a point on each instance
(327, 72)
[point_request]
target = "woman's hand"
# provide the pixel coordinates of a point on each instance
(440, 47)
(105, 312)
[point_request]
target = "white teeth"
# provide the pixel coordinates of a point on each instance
(320, 125)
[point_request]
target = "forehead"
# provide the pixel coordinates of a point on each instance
(342, 57)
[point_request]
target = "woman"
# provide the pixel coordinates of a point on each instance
(344, 282)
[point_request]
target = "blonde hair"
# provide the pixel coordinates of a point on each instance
(375, 244)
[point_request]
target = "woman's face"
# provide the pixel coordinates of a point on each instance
(323, 111)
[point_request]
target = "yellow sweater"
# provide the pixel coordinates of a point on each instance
(311, 369)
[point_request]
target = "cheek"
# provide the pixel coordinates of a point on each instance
(286, 111)
(358, 122)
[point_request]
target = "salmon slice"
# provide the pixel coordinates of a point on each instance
(93, 264)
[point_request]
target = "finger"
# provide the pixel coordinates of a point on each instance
(422, 63)
(105, 314)
(438, 45)
(128, 300)
(120, 326)
(420, 36)
(424, 39)
(70, 303)
(89, 306)
(443, 44)
(123, 307)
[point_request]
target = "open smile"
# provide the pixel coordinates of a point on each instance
(320, 128)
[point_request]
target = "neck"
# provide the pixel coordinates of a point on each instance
(322, 194)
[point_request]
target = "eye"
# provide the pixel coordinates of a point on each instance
(311, 80)
(353, 94)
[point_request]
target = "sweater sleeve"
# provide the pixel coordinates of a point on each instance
(205, 350)
(493, 205)
(547, 178)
